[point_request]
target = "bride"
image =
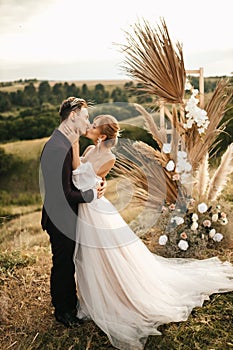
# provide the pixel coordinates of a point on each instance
(123, 287)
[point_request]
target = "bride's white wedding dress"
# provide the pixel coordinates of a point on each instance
(124, 288)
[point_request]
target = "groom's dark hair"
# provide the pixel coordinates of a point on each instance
(71, 104)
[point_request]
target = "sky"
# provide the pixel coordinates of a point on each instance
(79, 40)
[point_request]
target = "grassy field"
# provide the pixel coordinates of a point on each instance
(26, 150)
(26, 314)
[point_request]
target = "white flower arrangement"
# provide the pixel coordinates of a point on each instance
(200, 224)
(182, 168)
(195, 114)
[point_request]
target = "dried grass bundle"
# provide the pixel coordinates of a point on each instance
(220, 177)
(159, 135)
(202, 178)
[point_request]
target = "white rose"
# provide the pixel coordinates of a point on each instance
(224, 221)
(182, 154)
(195, 92)
(215, 217)
(194, 217)
(212, 233)
(188, 167)
(186, 179)
(178, 220)
(189, 123)
(202, 207)
(183, 245)
(201, 130)
(170, 165)
(188, 86)
(218, 237)
(166, 148)
(163, 239)
(194, 226)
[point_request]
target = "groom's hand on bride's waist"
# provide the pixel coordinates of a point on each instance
(101, 188)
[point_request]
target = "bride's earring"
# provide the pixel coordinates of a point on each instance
(99, 140)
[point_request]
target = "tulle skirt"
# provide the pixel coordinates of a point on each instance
(129, 291)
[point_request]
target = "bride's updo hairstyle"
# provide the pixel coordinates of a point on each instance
(71, 104)
(109, 126)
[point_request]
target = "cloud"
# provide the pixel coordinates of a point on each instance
(14, 14)
(77, 70)
(215, 62)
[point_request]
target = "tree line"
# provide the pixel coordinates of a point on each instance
(32, 112)
(31, 96)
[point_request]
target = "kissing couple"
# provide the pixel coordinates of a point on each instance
(101, 270)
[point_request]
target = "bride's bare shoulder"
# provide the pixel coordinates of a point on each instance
(88, 149)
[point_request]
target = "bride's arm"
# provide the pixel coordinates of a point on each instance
(76, 158)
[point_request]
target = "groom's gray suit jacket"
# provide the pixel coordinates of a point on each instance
(61, 197)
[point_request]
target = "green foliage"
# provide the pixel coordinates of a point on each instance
(119, 110)
(118, 95)
(226, 137)
(29, 124)
(19, 198)
(209, 83)
(137, 134)
(35, 109)
(7, 162)
(14, 260)
(5, 102)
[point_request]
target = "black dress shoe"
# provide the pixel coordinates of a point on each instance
(68, 319)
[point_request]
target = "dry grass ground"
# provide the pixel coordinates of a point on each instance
(26, 313)
(27, 322)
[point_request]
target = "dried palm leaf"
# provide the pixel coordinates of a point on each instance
(146, 174)
(153, 61)
(151, 153)
(127, 170)
(220, 177)
(175, 193)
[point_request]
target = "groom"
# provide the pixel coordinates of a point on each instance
(60, 207)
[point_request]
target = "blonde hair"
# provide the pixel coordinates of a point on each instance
(109, 126)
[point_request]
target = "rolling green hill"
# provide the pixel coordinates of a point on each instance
(27, 149)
